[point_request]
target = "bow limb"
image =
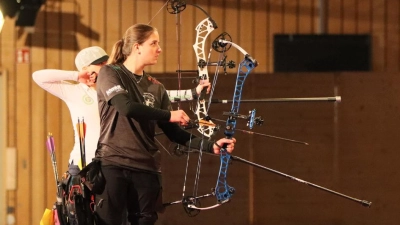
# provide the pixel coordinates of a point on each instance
(192, 205)
(203, 29)
(204, 208)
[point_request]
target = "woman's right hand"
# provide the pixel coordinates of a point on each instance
(179, 116)
(86, 77)
(203, 84)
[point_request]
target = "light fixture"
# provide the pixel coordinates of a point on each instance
(25, 11)
(28, 11)
(1, 20)
(8, 8)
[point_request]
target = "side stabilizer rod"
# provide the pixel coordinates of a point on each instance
(362, 202)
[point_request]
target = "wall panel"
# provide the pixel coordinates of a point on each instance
(171, 47)
(392, 39)
(68, 50)
(3, 145)
(40, 165)
(305, 17)
(96, 25)
(335, 17)
(144, 12)
(364, 17)
(53, 105)
(188, 34)
(127, 9)
(231, 26)
(24, 153)
(346, 156)
(349, 16)
(7, 57)
(275, 25)
(160, 22)
(81, 28)
(291, 16)
(261, 36)
(379, 35)
(113, 31)
(220, 17)
(246, 23)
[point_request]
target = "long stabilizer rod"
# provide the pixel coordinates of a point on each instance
(312, 99)
(363, 202)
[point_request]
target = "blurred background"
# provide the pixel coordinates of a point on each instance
(305, 49)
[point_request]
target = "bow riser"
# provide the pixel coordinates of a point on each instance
(222, 190)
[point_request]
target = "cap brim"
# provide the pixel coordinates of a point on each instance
(100, 60)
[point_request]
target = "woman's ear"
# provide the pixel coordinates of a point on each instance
(136, 47)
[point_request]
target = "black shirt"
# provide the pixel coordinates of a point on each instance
(127, 134)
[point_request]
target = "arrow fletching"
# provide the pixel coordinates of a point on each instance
(51, 148)
(84, 129)
(50, 143)
(81, 128)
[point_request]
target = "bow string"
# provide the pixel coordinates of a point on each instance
(206, 127)
(222, 191)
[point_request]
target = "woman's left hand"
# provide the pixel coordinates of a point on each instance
(230, 145)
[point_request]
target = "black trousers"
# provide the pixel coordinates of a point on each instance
(135, 192)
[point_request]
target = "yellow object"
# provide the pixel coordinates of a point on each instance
(47, 218)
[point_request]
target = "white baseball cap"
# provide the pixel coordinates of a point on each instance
(90, 56)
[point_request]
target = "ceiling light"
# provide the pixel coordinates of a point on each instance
(1, 20)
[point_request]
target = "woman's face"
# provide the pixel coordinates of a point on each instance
(150, 49)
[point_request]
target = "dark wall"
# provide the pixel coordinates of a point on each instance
(352, 151)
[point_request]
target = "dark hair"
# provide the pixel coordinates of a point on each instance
(137, 33)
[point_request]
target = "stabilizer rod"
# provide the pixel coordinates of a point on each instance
(312, 99)
(362, 202)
